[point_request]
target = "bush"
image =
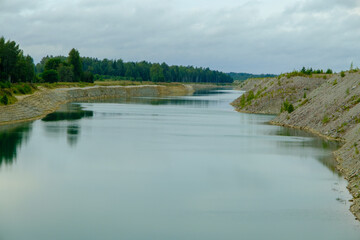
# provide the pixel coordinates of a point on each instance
(342, 74)
(287, 107)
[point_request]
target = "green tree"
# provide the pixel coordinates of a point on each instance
(52, 63)
(75, 61)
(88, 77)
(329, 71)
(157, 73)
(50, 76)
(66, 73)
(25, 70)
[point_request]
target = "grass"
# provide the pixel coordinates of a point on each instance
(303, 102)
(8, 91)
(340, 128)
(325, 119)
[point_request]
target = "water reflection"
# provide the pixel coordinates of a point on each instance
(12, 137)
(69, 114)
(201, 99)
(301, 139)
(157, 101)
(212, 91)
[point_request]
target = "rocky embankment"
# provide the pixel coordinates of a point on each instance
(266, 95)
(45, 101)
(330, 108)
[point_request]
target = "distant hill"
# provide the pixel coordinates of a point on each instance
(244, 76)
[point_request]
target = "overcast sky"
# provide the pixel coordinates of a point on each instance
(265, 36)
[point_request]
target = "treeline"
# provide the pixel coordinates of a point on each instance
(245, 76)
(143, 71)
(15, 67)
(309, 71)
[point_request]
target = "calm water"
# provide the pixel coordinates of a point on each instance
(168, 168)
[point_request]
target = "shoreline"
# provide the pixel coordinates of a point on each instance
(354, 208)
(329, 108)
(45, 101)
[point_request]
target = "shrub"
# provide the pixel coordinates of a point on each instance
(242, 101)
(335, 82)
(5, 84)
(250, 96)
(329, 71)
(5, 100)
(287, 107)
(342, 74)
(290, 108)
(304, 95)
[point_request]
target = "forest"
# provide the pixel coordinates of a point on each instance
(15, 67)
(141, 71)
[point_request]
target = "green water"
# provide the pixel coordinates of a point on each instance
(168, 168)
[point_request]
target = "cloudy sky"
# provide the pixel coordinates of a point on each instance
(264, 36)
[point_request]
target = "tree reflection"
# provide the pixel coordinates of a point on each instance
(69, 114)
(12, 137)
(73, 134)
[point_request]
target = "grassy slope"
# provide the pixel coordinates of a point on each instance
(271, 93)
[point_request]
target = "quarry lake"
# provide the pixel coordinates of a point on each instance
(186, 167)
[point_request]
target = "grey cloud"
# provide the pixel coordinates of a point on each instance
(324, 5)
(229, 37)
